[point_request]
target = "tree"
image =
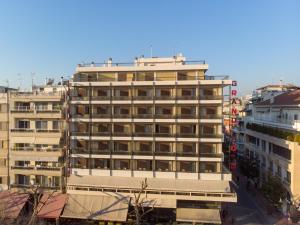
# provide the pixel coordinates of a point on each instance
(295, 210)
(274, 191)
(141, 202)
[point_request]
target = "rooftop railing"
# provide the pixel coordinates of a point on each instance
(111, 64)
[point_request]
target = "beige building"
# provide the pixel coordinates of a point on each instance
(37, 138)
(272, 136)
(4, 140)
(157, 118)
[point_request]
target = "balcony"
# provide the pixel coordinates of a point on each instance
(186, 97)
(86, 150)
(277, 122)
(211, 155)
(22, 167)
(22, 130)
(101, 98)
(186, 154)
(37, 170)
(210, 116)
(164, 153)
(211, 136)
(37, 151)
(142, 153)
(143, 134)
(211, 97)
(187, 116)
(187, 135)
(104, 133)
(22, 109)
(122, 116)
(121, 152)
(141, 116)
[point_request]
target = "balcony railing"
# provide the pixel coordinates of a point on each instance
(23, 130)
(37, 149)
(164, 153)
(211, 97)
(48, 130)
(187, 154)
(142, 153)
(22, 109)
(23, 167)
(51, 168)
(150, 98)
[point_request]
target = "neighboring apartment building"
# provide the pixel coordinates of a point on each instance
(3, 140)
(37, 138)
(158, 118)
(272, 138)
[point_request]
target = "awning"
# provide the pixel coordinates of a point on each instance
(95, 207)
(51, 205)
(11, 203)
(198, 215)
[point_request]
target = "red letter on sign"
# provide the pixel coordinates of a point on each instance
(233, 148)
(233, 92)
(234, 111)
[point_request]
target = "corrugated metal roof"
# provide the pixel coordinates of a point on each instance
(102, 208)
(51, 205)
(153, 183)
(211, 216)
(11, 203)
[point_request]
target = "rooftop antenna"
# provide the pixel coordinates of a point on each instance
(32, 80)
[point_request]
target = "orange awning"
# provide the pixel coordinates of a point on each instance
(51, 205)
(11, 203)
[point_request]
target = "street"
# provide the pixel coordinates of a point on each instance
(247, 211)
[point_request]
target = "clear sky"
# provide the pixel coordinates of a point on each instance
(255, 42)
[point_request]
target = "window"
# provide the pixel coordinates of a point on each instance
(41, 125)
(1, 182)
(121, 164)
(41, 106)
(143, 165)
(295, 116)
(165, 166)
(56, 125)
(288, 177)
(210, 167)
(263, 145)
(281, 151)
(183, 166)
(23, 124)
(101, 163)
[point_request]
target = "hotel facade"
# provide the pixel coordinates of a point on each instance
(156, 118)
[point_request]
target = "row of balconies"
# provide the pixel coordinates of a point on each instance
(179, 153)
(147, 165)
(139, 76)
(131, 98)
(157, 111)
(152, 93)
(29, 130)
(150, 116)
(146, 134)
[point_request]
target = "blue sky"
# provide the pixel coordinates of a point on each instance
(255, 42)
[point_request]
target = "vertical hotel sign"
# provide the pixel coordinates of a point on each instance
(234, 101)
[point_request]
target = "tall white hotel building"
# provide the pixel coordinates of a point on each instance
(155, 118)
